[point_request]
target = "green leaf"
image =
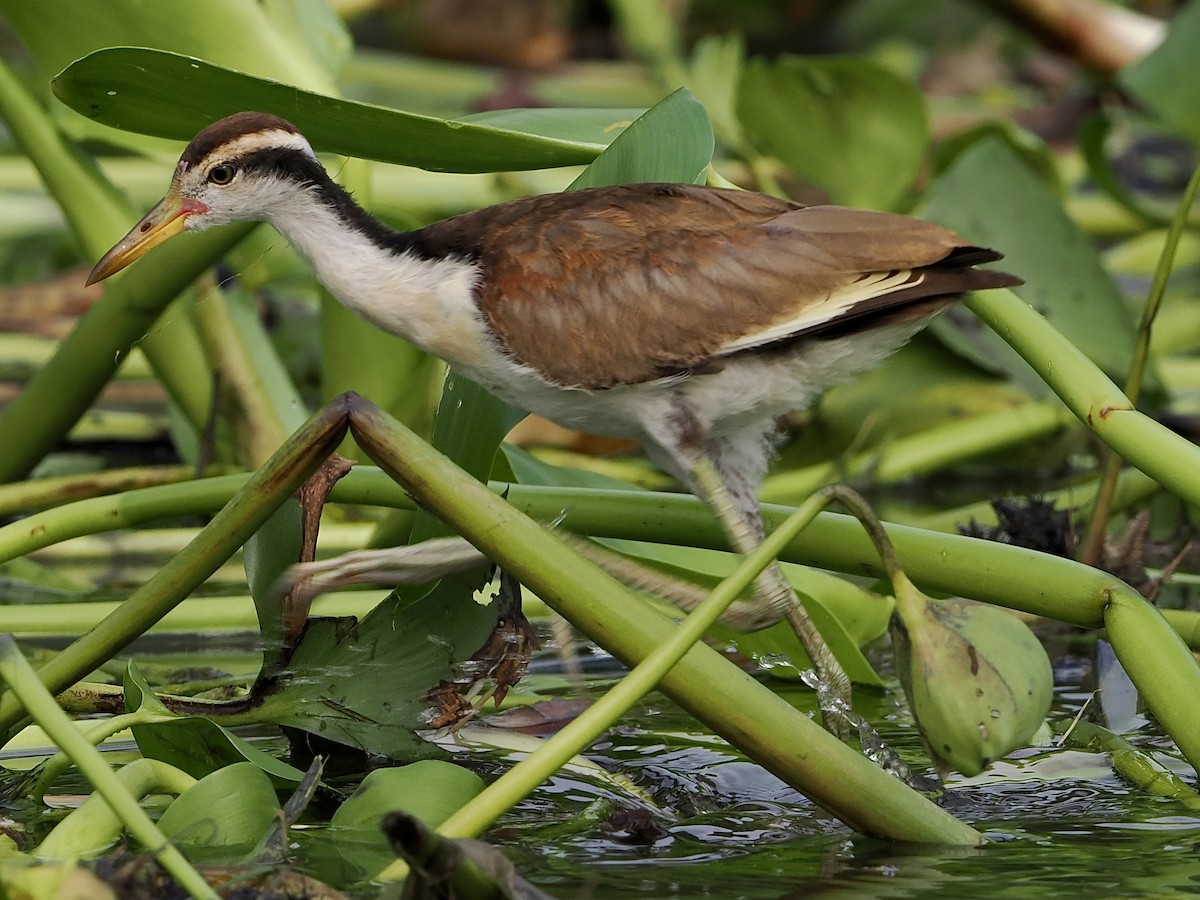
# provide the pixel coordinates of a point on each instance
(257, 37)
(528, 469)
(194, 744)
(849, 126)
(671, 141)
(224, 816)
(1032, 149)
(598, 127)
(364, 684)
(429, 789)
(1165, 80)
(992, 199)
(168, 95)
(714, 73)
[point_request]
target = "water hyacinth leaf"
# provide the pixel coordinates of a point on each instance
(992, 198)
(1035, 152)
(714, 73)
(599, 127)
(978, 682)
(364, 684)
(224, 816)
(260, 38)
(833, 119)
(1165, 80)
(430, 789)
(671, 141)
(228, 32)
(168, 95)
(195, 744)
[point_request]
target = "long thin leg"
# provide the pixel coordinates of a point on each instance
(773, 593)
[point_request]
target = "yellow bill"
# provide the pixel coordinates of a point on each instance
(166, 220)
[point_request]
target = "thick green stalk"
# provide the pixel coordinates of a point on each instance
(243, 401)
(725, 698)
(24, 496)
(86, 359)
(22, 681)
(95, 825)
(53, 767)
(1092, 546)
(84, 197)
(1171, 460)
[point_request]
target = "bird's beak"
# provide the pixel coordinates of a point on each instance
(166, 220)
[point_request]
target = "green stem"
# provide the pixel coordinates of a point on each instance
(23, 682)
(1092, 546)
(24, 496)
(102, 731)
(1169, 459)
(1136, 765)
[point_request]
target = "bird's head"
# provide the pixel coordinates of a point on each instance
(240, 168)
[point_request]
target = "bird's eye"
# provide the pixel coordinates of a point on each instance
(222, 174)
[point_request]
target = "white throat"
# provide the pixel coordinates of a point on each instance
(431, 303)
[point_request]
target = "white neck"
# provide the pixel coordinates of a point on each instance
(428, 302)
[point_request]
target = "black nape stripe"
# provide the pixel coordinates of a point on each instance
(301, 169)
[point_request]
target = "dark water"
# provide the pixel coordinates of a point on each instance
(1060, 823)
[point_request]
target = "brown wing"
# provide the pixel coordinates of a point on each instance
(628, 284)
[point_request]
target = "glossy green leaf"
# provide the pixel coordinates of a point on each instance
(1034, 151)
(168, 95)
(224, 816)
(1165, 80)
(256, 37)
(598, 127)
(672, 141)
(364, 684)
(849, 126)
(429, 789)
(298, 43)
(992, 199)
(194, 744)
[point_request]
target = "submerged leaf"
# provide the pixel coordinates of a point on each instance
(977, 680)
